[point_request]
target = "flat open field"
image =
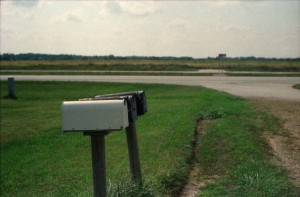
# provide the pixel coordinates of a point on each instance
(154, 65)
(37, 159)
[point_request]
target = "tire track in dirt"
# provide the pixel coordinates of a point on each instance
(286, 143)
(196, 180)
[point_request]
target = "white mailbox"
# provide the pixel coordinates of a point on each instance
(96, 115)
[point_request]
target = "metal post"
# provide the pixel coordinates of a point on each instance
(133, 153)
(220, 64)
(11, 87)
(98, 163)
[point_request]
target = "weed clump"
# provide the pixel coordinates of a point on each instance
(212, 114)
(126, 188)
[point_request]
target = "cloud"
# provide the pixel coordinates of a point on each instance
(28, 4)
(110, 7)
(73, 17)
(179, 23)
(142, 8)
(233, 29)
(25, 4)
(113, 7)
(133, 8)
(223, 3)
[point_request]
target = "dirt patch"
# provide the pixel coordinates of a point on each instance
(197, 181)
(286, 144)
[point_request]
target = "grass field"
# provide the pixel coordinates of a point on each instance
(153, 65)
(37, 159)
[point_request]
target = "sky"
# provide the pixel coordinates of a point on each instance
(197, 29)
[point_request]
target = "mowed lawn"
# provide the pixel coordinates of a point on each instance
(38, 159)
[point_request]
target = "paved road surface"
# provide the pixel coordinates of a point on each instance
(201, 71)
(265, 87)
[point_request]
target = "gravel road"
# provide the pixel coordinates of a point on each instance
(261, 87)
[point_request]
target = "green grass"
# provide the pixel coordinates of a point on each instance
(153, 65)
(37, 159)
(297, 86)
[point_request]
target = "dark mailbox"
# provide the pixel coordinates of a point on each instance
(140, 98)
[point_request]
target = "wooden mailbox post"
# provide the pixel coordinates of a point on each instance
(98, 117)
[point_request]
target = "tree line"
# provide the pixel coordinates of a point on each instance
(39, 56)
